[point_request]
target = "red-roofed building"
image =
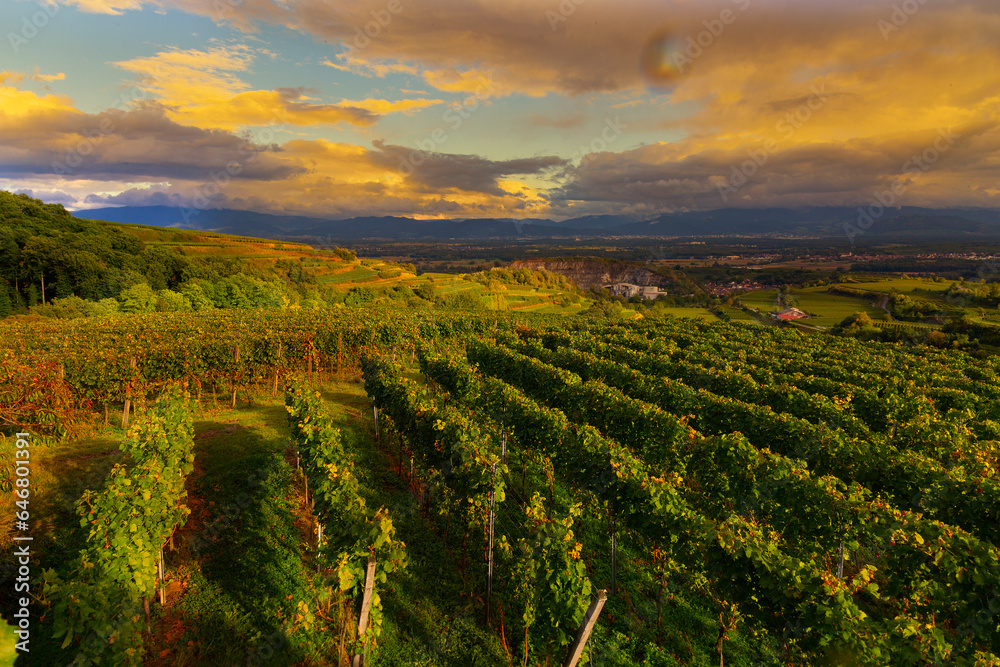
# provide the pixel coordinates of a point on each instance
(791, 314)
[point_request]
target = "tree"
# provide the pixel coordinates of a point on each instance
(426, 291)
(243, 291)
(104, 307)
(6, 308)
(359, 296)
(10, 257)
(139, 298)
(937, 339)
(465, 301)
(163, 268)
(196, 297)
(38, 256)
(168, 301)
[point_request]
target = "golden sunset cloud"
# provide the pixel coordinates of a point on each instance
(202, 88)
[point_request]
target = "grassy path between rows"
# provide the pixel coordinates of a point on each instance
(246, 586)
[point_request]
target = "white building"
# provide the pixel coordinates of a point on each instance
(628, 290)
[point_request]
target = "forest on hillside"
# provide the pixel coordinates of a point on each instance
(50, 258)
(57, 265)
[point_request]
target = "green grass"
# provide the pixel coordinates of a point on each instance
(764, 300)
(737, 314)
(831, 309)
(242, 600)
(8, 651)
(903, 285)
(984, 316)
(695, 313)
(60, 473)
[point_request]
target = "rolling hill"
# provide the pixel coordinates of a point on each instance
(906, 223)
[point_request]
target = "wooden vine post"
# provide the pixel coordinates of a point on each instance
(277, 362)
(614, 556)
(586, 628)
(237, 361)
(660, 566)
(319, 541)
(489, 552)
(340, 347)
(128, 395)
(366, 605)
(160, 571)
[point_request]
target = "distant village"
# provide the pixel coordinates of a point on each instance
(732, 287)
(762, 260)
(629, 290)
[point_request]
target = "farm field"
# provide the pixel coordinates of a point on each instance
(827, 309)
(912, 286)
(831, 309)
(737, 314)
(764, 300)
(636, 458)
(354, 275)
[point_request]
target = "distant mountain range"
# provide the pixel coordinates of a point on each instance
(906, 223)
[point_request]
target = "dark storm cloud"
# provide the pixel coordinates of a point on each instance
(141, 143)
(472, 173)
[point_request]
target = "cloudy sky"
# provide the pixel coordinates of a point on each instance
(501, 108)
